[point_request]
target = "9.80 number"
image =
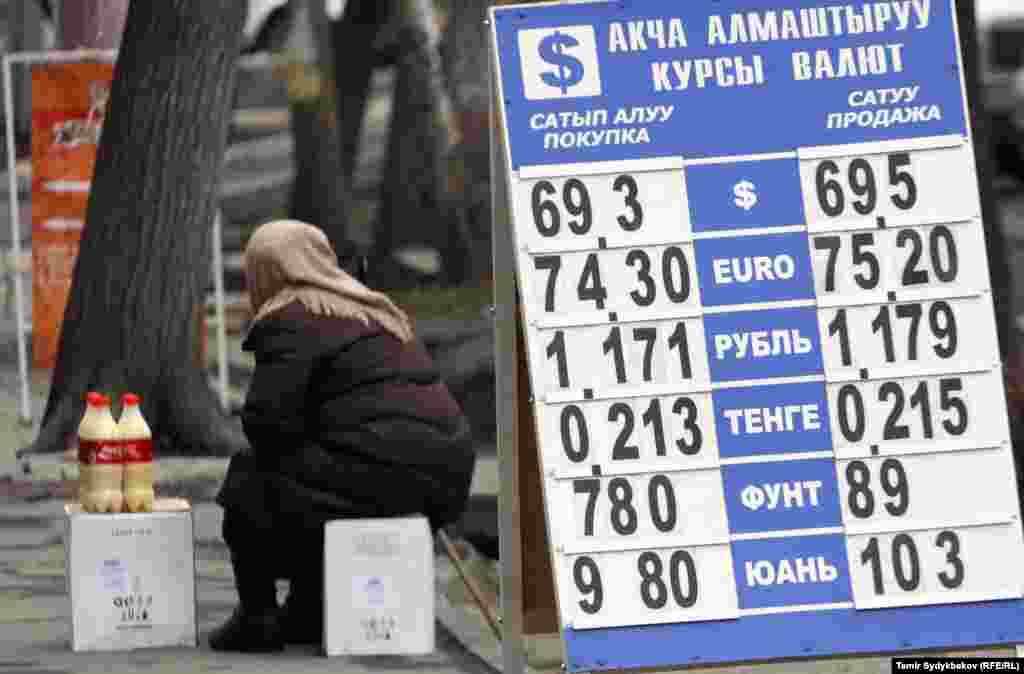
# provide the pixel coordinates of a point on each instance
(682, 586)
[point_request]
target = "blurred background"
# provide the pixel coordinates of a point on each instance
(370, 118)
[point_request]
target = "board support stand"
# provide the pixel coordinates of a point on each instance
(513, 653)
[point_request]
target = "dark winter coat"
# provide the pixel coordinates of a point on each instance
(345, 421)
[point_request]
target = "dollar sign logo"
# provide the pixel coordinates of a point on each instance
(746, 195)
(568, 68)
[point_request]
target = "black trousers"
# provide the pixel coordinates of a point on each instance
(263, 552)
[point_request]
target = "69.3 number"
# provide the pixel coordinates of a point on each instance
(575, 198)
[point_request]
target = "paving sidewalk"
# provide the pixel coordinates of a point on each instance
(35, 610)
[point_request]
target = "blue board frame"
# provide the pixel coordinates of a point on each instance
(725, 116)
(780, 128)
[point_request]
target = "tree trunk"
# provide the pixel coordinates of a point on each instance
(321, 192)
(464, 55)
(352, 40)
(995, 240)
(145, 251)
(415, 190)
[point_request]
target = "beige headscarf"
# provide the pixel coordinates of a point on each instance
(288, 260)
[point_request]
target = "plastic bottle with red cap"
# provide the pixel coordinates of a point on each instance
(136, 442)
(100, 467)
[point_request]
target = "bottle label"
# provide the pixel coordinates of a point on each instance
(99, 451)
(138, 450)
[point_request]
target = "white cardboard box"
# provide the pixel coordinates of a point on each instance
(378, 587)
(131, 577)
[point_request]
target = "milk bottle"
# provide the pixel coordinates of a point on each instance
(99, 458)
(137, 446)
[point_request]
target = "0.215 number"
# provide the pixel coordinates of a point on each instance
(853, 421)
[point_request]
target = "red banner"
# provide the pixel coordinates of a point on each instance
(68, 105)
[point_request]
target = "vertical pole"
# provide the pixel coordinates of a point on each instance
(507, 397)
(26, 29)
(218, 288)
(12, 181)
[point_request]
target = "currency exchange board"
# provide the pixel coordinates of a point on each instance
(759, 320)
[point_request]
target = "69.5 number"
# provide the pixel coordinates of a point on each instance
(862, 182)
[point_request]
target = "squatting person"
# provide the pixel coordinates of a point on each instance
(346, 417)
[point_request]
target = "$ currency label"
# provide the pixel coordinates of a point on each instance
(559, 62)
(746, 194)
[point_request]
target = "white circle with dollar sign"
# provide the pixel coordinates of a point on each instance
(559, 62)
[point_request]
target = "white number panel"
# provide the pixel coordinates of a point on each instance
(917, 412)
(634, 205)
(907, 258)
(644, 587)
(933, 333)
(659, 433)
(653, 278)
(935, 566)
(637, 510)
(925, 489)
(626, 356)
(901, 185)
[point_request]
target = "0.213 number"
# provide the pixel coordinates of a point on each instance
(576, 437)
(853, 421)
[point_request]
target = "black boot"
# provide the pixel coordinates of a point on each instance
(247, 632)
(255, 626)
(302, 616)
